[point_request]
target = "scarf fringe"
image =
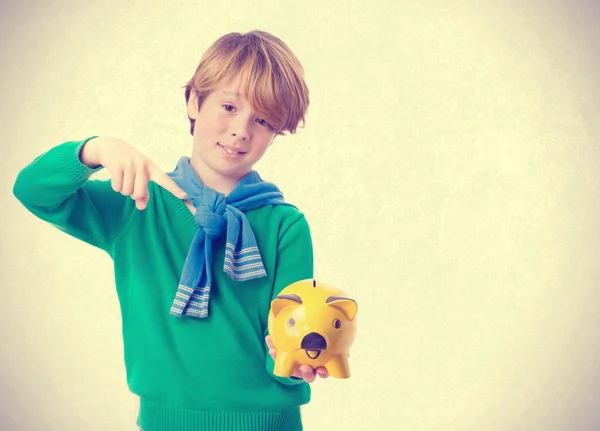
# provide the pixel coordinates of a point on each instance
(191, 302)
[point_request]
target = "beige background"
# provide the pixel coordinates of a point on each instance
(449, 169)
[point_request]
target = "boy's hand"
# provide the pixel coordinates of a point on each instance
(130, 170)
(306, 372)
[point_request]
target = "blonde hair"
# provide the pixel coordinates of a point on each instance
(272, 77)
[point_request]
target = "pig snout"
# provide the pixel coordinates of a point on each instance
(313, 343)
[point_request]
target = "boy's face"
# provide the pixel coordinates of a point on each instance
(229, 137)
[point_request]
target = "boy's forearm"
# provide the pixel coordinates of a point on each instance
(55, 188)
(295, 262)
(52, 177)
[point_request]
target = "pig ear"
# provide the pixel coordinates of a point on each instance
(284, 301)
(347, 305)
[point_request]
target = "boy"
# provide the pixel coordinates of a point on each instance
(198, 253)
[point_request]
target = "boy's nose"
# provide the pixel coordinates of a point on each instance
(239, 128)
(241, 136)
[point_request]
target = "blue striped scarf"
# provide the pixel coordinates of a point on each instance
(215, 215)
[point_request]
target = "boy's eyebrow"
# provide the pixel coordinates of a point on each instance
(229, 93)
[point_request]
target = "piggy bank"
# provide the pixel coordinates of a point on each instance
(312, 323)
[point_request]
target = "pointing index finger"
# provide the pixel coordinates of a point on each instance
(163, 180)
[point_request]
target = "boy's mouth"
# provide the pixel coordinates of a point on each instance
(231, 151)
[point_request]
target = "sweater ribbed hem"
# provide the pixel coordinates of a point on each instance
(154, 416)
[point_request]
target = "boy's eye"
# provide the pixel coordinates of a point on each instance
(228, 108)
(263, 122)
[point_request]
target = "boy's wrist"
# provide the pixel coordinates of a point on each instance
(88, 154)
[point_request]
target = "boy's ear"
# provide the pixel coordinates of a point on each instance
(192, 105)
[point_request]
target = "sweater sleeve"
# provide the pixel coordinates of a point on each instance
(294, 263)
(56, 188)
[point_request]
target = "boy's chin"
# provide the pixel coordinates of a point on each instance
(234, 174)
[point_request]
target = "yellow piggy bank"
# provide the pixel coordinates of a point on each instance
(312, 324)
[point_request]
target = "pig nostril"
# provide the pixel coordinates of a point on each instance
(291, 322)
(337, 324)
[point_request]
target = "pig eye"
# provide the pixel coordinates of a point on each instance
(291, 322)
(337, 324)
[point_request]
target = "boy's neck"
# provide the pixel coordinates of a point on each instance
(212, 179)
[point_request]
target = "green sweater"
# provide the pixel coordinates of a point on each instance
(191, 374)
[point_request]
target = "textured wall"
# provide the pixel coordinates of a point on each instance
(449, 169)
